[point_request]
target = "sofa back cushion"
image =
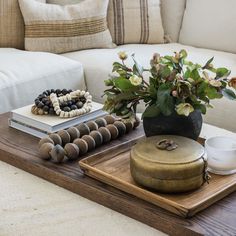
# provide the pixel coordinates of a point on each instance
(172, 12)
(11, 24)
(137, 21)
(60, 29)
(63, 2)
(210, 24)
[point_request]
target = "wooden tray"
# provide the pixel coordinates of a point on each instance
(112, 167)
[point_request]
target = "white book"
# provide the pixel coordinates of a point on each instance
(51, 124)
(27, 129)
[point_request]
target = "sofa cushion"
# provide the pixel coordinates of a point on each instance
(210, 24)
(137, 21)
(58, 29)
(24, 75)
(98, 65)
(11, 24)
(172, 12)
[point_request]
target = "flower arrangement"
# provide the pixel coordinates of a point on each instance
(175, 85)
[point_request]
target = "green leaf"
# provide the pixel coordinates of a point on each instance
(151, 111)
(228, 93)
(164, 100)
(139, 67)
(200, 107)
(206, 66)
(123, 84)
(222, 72)
(165, 72)
(183, 53)
(212, 93)
(108, 82)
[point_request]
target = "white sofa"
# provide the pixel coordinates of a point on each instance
(23, 75)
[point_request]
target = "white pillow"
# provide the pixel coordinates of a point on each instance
(210, 24)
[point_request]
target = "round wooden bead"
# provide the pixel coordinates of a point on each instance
(101, 122)
(83, 129)
(129, 126)
(109, 119)
(121, 127)
(82, 144)
(113, 130)
(45, 150)
(65, 136)
(71, 151)
(74, 133)
(106, 135)
(97, 137)
(90, 141)
(56, 139)
(92, 125)
(57, 153)
(45, 140)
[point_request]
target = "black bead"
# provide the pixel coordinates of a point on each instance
(58, 91)
(64, 91)
(69, 103)
(40, 105)
(46, 108)
(44, 100)
(51, 111)
(53, 91)
(66, 109)
(79, 104)
(74, 107)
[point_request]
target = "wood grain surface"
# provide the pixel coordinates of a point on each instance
(20, 150)
(113, 167)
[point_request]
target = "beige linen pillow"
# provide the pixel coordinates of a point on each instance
(136, 21)
(60, 29)
(172, 12)
(210, 24)
(11, 24)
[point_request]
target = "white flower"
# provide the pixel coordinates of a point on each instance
(135, 80)
(184, 109)
(215, 83)
(122, 55)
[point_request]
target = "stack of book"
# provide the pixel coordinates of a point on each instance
(40, 126)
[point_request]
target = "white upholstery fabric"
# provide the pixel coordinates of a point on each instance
(210, 24)
(172, 12)
(24, 75)
(98, 64)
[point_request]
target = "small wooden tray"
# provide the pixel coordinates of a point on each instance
(112, 167)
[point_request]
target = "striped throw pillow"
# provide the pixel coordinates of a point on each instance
(60, 29)
(135, 21)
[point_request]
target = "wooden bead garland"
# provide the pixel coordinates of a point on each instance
(54, 102)
(70, 144)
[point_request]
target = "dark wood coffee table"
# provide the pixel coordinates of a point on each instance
(20, 150)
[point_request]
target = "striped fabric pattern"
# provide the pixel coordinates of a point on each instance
(136, 21)
(60, 29)
(11, 24)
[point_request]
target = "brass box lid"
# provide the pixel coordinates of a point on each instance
(178, 170)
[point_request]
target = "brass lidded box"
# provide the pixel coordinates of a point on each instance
(180, 170)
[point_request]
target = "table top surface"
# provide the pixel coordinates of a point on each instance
(80, 213)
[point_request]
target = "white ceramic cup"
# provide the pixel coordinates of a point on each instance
(221, 155)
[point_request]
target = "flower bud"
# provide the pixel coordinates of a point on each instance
(122, 55)
(174, 93)
(232, 83)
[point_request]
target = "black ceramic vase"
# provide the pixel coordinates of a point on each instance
(187, 126)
